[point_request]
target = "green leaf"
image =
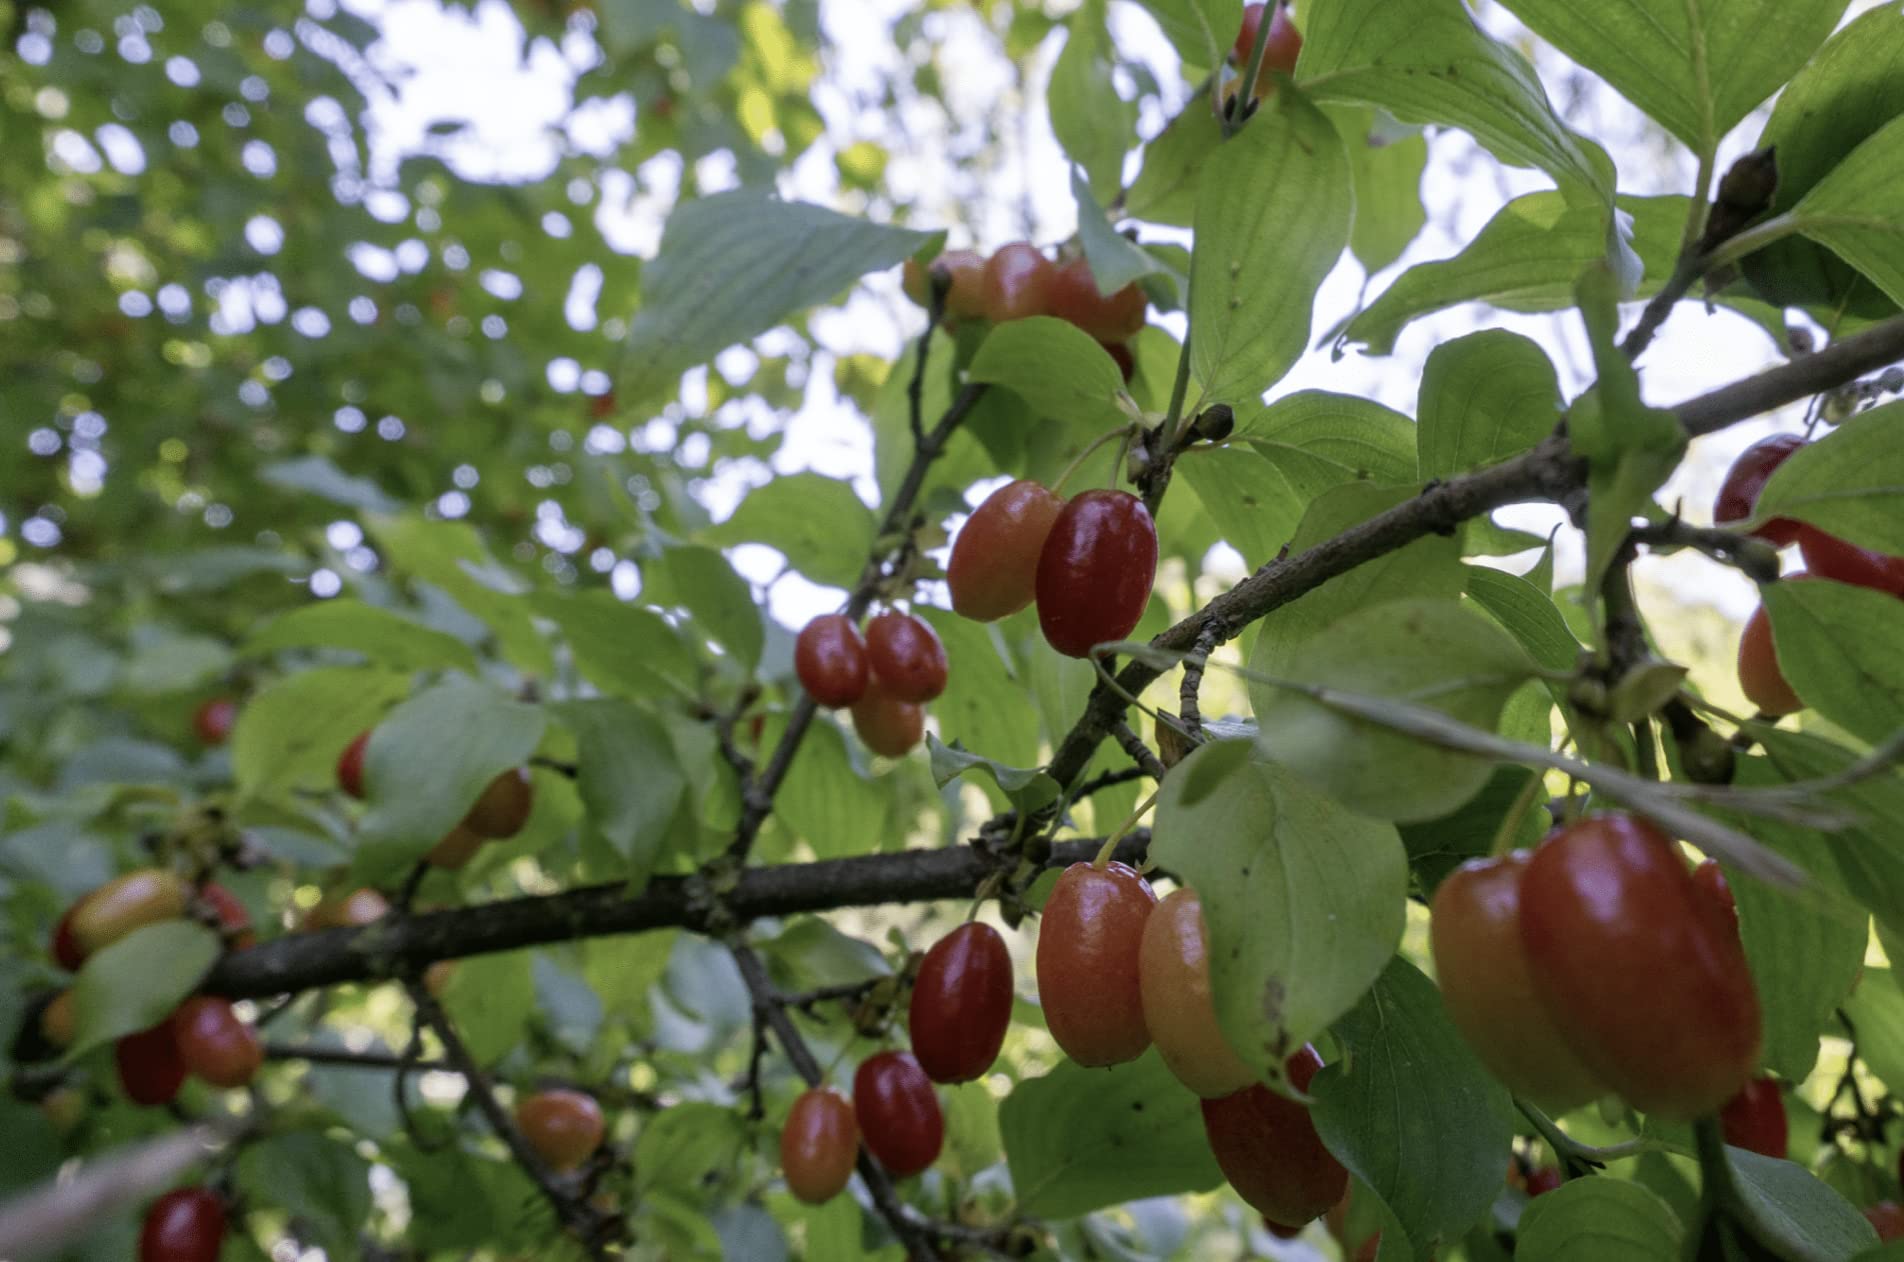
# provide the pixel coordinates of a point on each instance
(1849, 483)
(818, 522)
(1432, 652)
(689, 1146)
(1411, 1113)
(628, 778)
(1165, 190)
(1302, 900)
(1093, 123)
(1484, 397)
(1868, 858)
(1427, 62)
(1202, 31)
(289, 734)
(166, 662)
(1273, 215)
(380, 635)
(968, 710)
(316, 475)
(1855, 211)
(825, 800)
(430, 759)
(1248, 498)
(324, 1184)
(1528, 614)
(1028, 788)
(1696, 69)
(1320, 440)
(451, 556)
(623, 649)
(1842, 648)
(1386, 161)
(1809, 1222)
(1080, 1139)
(734, 265)
(491, 998)
(136, 982)
(1115, 259)
(701, 580)
(1584, 1220)
(1057, 368)
(1876, 1009)
(1804, 957)
(1438, 846)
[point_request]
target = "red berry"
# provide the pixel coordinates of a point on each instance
(1279, 53)
(1760, 677)
(1096, 570)
(1711, 880)
(1888, 1218)
(1121, 356)
(1639, 971)
(564, 1127)
(1755, 1118)
(1281, 1232)
(898, 1113)
(1074, 296)
(1739, 493)
(1090, 944)
(994, 567)
(886, 724)
(234, 918)
(212, 721)
(65, 947)
(830, 660)
(965, 283)
(1173, 972)
(184, 1225)
(961, 1004)
(1017, 283)
(1830, 557)
(819, 1145)
(906, 656)
(150, 1068)
(128, 902)
(504, 806)
(350, 766)
(1268, 1148)
(1543, 1180)
(214, 1044)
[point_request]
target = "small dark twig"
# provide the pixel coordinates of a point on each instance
(1133, 744)
(1108, 780)
(1754, 557)
(400, 1092)
(411, 884)
(560, 768)
(1189, 702)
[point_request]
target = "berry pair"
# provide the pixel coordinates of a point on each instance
(886, 677)
(499, 812)
(1019, 281)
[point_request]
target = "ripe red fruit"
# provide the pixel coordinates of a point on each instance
(898, 1113)
(965, 291)
(1755, 1118)
(150, 1068)
(1485, 981)
(1096, 570)
(1543, 1180)
(1739, 493)
(819, 1145)
(1017, 283)
(1828, 556)
(234, 918)
(1711, 881)
(905, 656)
(128, 902)
(564, 1127)
(1268, 1148)
(184, 1225)
(350, 766)
(456, 848)
(888, 725)
(1121, 356)
(65, 947)
(1074, 297)
(1173, 972)
(214, 1044)
(1639, 970)
(504, 806)
(1089, 947)
(830, 660)
(961, 1004)
(1764, 684)
(212, 721)
(1279, 53)
(994, 567)
(1888, 1218)
(1281, 1232)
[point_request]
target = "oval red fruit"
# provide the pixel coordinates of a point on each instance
(565, 1127)
(65, 946)
(1711, 882)
(1739, 493)
(1017, 283)
(819, 1145)
(1280, 51)
(184, 1225)
(906, 656)
(886, 724)
(1121, 356)
(1887, 1217)
(504, 806)
(1638, 969)
(212, 721)
(1074, 297)
(234, 918)
(898, 1113)
(350, 766)
(214, 1044)
(1830, 557)
(964, 271)
(1090, 943)
(961, 1004)
(1543, 1180)
(1096, 571)
(994, 567)
(1173, 973)
(149, 1065)
(1755, 1118)
(1760, 676)
(830, 660)
(1268, 1148)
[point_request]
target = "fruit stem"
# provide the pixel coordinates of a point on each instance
(1108, 436)
(1573, 1164)
(1104, 851)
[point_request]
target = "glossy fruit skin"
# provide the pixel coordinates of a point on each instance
(1710, 879)
(212, 721)
(1543, 1180)
(1489, 990)
(819, 1145)
(965, 291)
(1755, 1118)
(830, 660)
(1282, 1232)
(1279, 52)
(504, 807)
(1760, 677)
(899, 1116)
(886, 724)
(129, 902)
(1173, 973)
(1639, 970)
(184, 1225)
(1074, 297)
(58, 1020)
(1888, 1219)
(64, 946)
(350, 766)
(215, 1045)
(150, 1067)
(906, 656)
(1828, 556)
(993, 572)
(1089, 944)
(961, 1004)
(1017, 283)
(564, 1127)
(1739, 493)
(1270, 1152)
(1096, 571)
(458, 846)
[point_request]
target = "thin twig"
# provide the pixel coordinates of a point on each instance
(1753, 557)
(1133, 744)
(1189, 692)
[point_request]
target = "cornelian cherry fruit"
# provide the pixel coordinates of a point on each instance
(899, 1115)
(455, 849)
(1712, 882)
(1089, 949)
(214, 1044)
(184, 1225)
(1739, 493)
(234, 918)
(1284, 45)
(1173, 973)
(964, 271)
(1755, 1118)
(819, 1145)
(1830, 557)
(1121, 356)
(1269, 1150)
(212, 721)
(59, 1021)
(1639, 970)
(1095, 571)
(888, 725)
(1475, 933)
(830, 660)
(1280, 1231)
(994, 567)
(564, 1127)
(1543, 1180)
(1074, 296)
(125, 903)
(961, 1004)
(350, 766)
(1760, 676)
(149, 1065)
(1887, 1217)
(1017, 283)
(504, 806)
(905, 656)
(65, 947)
